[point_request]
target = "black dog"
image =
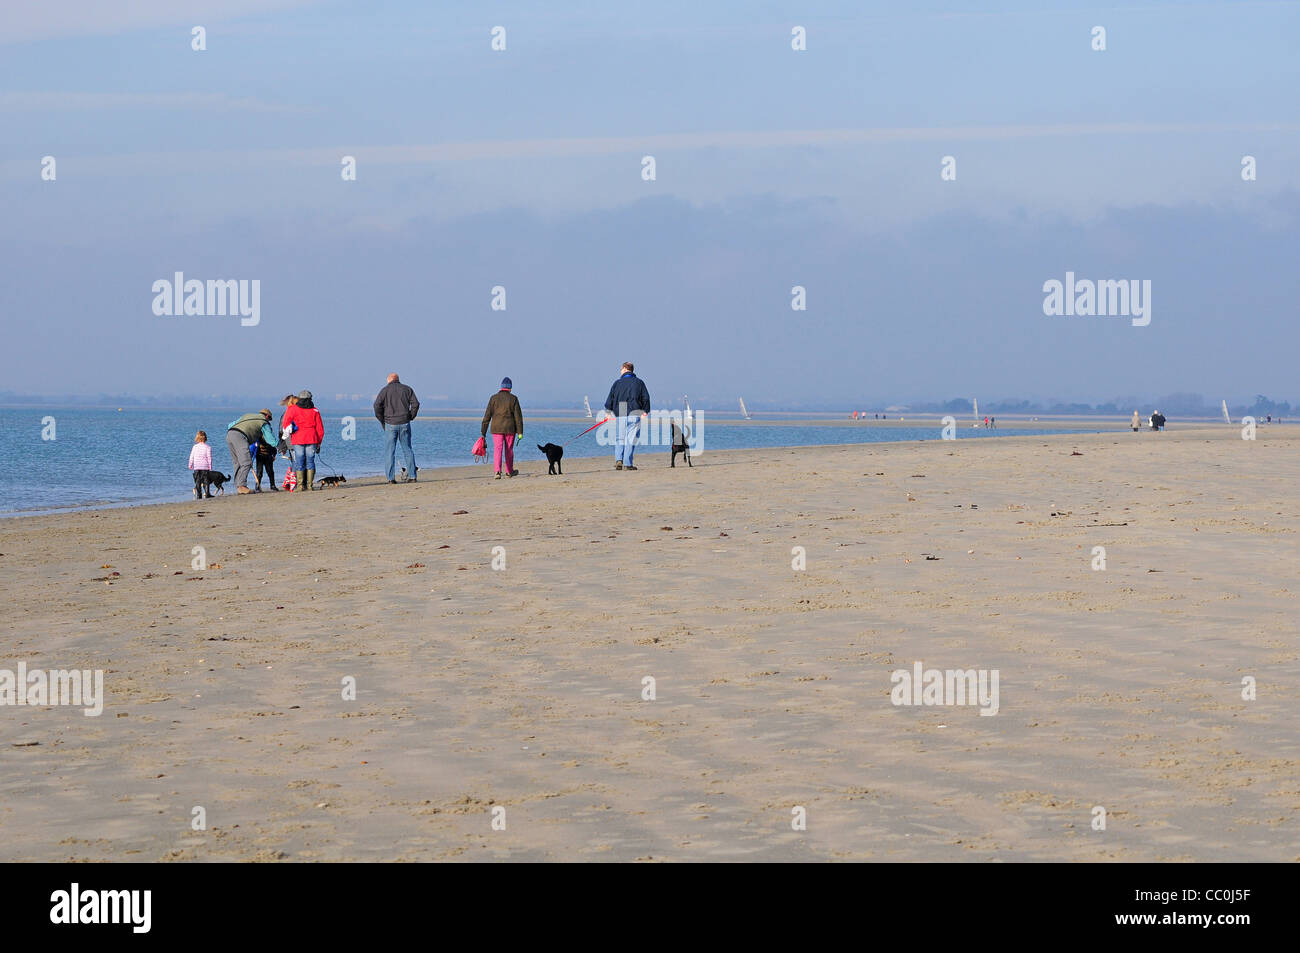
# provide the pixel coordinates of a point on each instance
(553, 455)
(330, 481)
(205, 480)
(680, 446)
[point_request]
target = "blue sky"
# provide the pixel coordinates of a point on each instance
(774, 168)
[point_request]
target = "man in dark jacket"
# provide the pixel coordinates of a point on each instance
(629, 401)
(395, 407)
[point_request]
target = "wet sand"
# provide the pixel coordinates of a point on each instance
(522, 688)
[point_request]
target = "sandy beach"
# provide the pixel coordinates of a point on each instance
(522, 687)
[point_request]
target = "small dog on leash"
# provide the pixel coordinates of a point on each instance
(205, 480)
(330, 481)
(554, 453)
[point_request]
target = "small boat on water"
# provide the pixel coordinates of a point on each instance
(743, 410)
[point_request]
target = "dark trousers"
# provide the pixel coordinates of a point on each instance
(266, 464)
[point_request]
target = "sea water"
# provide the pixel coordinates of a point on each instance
(106, 457)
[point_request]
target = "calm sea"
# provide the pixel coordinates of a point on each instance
(109, 457)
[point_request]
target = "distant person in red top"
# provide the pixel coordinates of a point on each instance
(308, 434)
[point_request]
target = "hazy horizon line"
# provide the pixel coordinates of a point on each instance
(9, 400)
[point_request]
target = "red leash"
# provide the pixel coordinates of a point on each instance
(570, 440)
(585, 432)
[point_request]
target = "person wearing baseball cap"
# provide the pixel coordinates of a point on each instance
(242, 433)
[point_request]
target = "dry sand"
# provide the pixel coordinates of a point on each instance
(522, 687)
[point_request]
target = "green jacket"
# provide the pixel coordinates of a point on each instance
(254, 427)
(504, 414)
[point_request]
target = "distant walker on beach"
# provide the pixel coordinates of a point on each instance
(506, 418)
(629, 401)
(308, 428)
(395, 407)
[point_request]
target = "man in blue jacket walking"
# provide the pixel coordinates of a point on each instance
(629, 401)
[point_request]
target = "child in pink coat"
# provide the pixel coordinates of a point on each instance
(201, 463)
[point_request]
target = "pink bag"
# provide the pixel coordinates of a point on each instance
(480, 448)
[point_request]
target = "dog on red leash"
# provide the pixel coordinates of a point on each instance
(554, 454)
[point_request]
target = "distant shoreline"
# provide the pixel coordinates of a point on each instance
(448, 472)
(729, 417)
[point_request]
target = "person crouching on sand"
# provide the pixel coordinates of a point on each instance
(506, 419)
(201, 463)
(242, 433)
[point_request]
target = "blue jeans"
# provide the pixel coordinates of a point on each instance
(625, 434)
(393, 435)
(304, 457)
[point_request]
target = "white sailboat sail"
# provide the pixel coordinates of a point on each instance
(1225, 412)
(975, 404)
(742, 408)
(687, 401)
(587, 404)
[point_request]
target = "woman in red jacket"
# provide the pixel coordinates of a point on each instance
(308, 433)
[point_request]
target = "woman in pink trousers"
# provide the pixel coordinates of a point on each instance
(506, 419)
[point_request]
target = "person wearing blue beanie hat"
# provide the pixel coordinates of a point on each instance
(506, 419)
